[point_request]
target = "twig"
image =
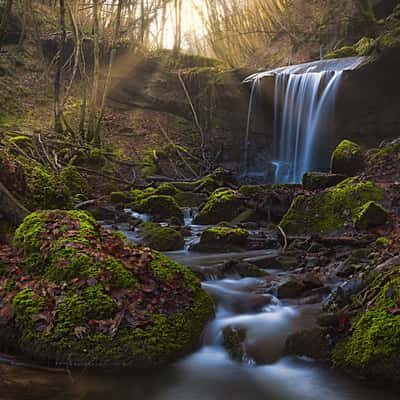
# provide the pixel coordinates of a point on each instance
(285, 242)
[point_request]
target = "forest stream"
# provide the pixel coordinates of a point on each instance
(209, 373)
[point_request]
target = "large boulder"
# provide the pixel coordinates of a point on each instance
(82, 296)
(370, 215)
(332, 209)
(222, 205)
(347, 159)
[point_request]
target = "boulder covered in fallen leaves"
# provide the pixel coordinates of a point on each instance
(75, 294)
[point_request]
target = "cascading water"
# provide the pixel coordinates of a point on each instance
(304, 101)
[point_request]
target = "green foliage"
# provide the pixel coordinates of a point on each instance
(331, 209)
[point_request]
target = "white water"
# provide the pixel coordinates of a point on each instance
(304, 102)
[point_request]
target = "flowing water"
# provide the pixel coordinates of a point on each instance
(209, 374)
(304, 102)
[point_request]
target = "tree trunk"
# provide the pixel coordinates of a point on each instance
(4, 21)
(58, 125)
(114, 46)
(96, 76)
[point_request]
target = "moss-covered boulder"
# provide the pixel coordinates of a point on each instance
(347, 159)
(119, 198)
(82, 296)
(370, 215)
(332, 209)
(161, 208)
(222, 205)
(161, 238)
(221, 239)
(373, 347)
(321, 180)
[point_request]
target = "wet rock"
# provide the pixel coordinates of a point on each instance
(161, 238)
(311, 281)
(347, 159)
(221, 239)
(321, 180)
(312, 343)
(242, 268)
(233, 342)
(287, 262)
(342, 294)
(370, 215)
(267, 261)
(290, 289)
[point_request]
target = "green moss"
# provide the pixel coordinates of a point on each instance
(162, 238)
(374, 345)
(252, 190)
(161, 207)
(347, 159)
(149, 164)
(119, 198)
(222, 205)
(331, 209)
(370, 215)
(166, 189)
(320, 180)
(383, 242)
(27, 235)
(345, 51)
(365, 46)
(222, 239)
(73, 182)
(26, 305)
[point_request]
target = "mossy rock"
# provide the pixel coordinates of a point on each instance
(161, 238)
(345, 51)
(118, 198)
(73, 182)
(222, 239)
(222, 205)
(347, 159)
(167, 189)
(161, 208)
(233, 340)
(373, 348)
(370, 215)
(85, 297)
(332, 209)
(321, 180)
(190, 199)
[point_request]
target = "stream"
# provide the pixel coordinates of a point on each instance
(209, 373)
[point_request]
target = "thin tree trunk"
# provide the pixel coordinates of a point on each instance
(4, 21)
(58, 125)
(96, 75)
(114, 46)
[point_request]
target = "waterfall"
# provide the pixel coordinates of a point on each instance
(304, 102)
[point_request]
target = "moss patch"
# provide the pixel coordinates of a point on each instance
(162, 238)
(161, 207)
(330, 210)
(347, 159)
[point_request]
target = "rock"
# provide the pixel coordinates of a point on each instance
(332, 209)
(321, 180)
(223, 205)
(190, 199)
(161, 238)
(75, 297)
(287, 262)
(347, 159)
(161, 208)
(221, 239)
(342, 294)
(291, 289)
(233, 341)
(370, 215)
(242, 268)
(267, 261)
(119, 198)
(311, 343)
(372, 350)
(311, 281)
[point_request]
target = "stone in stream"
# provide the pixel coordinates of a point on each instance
(161, 238)
(291, 288)
(221, 239)
(82, 296)
(312, 343)
(233, 341)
